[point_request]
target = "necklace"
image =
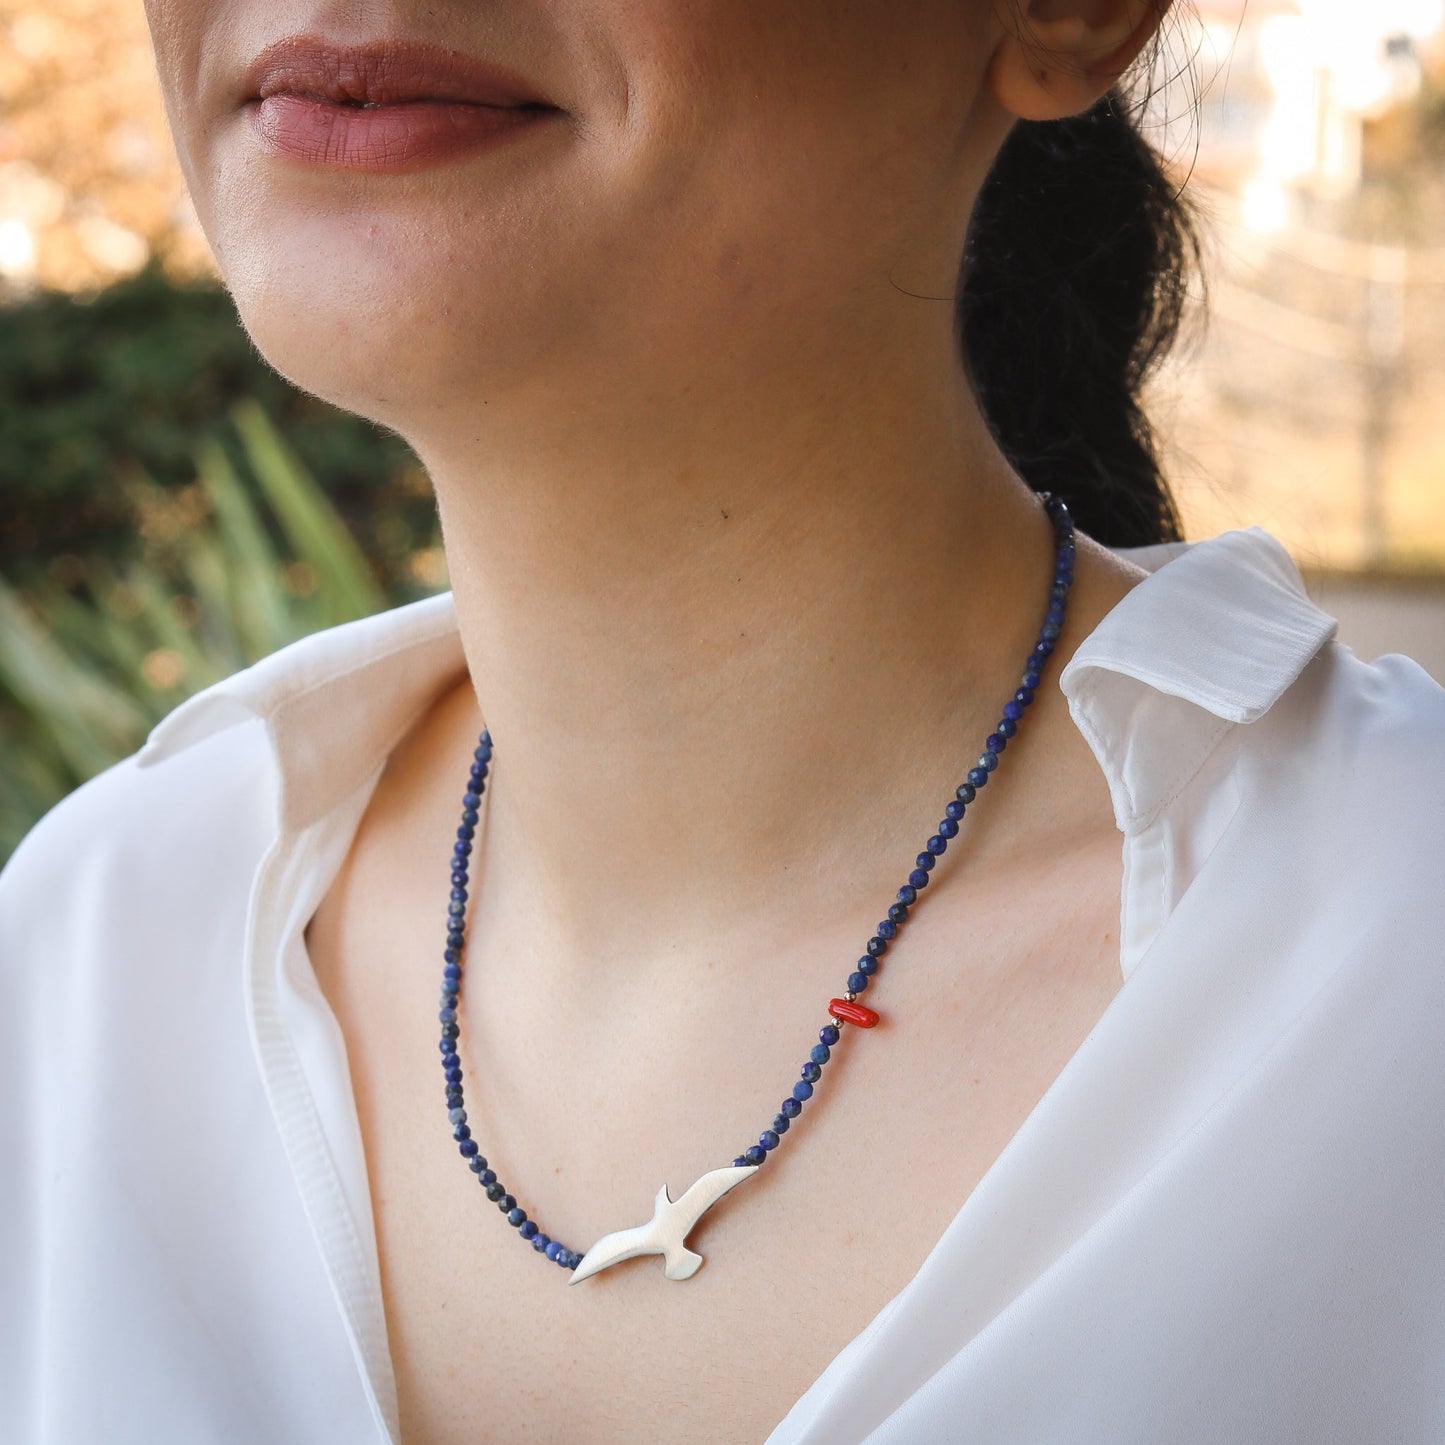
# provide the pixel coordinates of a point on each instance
(666, 1233)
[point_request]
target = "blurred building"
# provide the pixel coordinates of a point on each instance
(1313, 136)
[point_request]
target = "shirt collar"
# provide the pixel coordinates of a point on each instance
(1213, 637)
(335, 703)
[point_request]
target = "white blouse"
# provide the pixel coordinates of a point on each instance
(1224, 1221)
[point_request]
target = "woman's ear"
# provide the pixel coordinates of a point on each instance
(1057, 57)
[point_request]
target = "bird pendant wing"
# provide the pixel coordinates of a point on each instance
(666, 1232)
(696, 1201)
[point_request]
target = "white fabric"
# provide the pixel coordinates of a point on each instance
(1223, 1222)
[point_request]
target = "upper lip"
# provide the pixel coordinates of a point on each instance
(381, 73)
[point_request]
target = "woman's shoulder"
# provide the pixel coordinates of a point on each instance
(1368, 735)
(138, 838)
(182, 824)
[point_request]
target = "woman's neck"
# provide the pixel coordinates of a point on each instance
(734, 656)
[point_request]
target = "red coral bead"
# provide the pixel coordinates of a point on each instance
(852, 1013)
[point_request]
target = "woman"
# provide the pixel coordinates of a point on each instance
(747, 561)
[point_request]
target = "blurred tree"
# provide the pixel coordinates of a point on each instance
(89, 185)
(94, 390)
(242, 560)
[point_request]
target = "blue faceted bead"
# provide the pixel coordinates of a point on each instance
(451, 973)
(907, 894)
(967, 792)
(739, 1162)
(790, 1108)
(755, 1154)
(470, 800)
(516, 1217)
(988, 761)
(1007, 728)
(461, 1131)
(450, 1061)
(477, 1163)
(897, 912)
(487, 1178)
(925, 861)
(540, 1242)
(820, 1053)
(467, 1147)
(828, 1034)
(812, 1072)
(978, 776)
(936, 845)
(857, 982)
(876, 945)
(802, 1090)
(768, 1139)
(1024, 695)
(554, 1249)
(528, 1229)
(448, 1015)
(953, 810)
(918, 878)
(887, 929)
(458, 1116)
(780, 1123)
(995, 743)
(1011, 709)
(1050, 630)
(453, 1076)
(867, 965)
(948, 828)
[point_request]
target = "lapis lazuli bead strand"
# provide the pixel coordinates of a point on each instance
(847, 1009)
(842, 1011)
(496, 1191)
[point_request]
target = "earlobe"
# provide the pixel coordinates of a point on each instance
(1057, 59)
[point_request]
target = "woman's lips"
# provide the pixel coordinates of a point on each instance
(383, 107)
(391, 137)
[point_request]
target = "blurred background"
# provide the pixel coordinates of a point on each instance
(174, 510)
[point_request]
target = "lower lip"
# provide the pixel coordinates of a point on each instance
(396, 137)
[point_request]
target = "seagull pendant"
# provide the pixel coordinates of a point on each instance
(666, 1233)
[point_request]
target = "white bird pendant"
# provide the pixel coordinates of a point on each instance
(666, 1232)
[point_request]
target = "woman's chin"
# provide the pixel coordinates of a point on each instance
(384, 312)
(392, 360)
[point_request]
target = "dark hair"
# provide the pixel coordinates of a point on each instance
(1073, 284)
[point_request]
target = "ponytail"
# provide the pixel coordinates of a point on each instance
(1074, 281)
